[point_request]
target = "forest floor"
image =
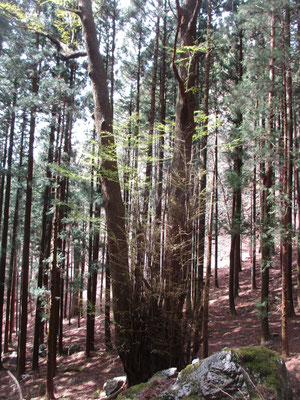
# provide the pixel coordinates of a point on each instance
(82, 378)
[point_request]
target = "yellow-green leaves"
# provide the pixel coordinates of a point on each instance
(29, 18)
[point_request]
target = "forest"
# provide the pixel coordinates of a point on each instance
(149, 158)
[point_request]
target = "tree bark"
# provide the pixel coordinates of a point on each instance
(22, 339)
(266, 206)
(6, 218)
(179, 224)
(113, 204)
(44, 243)
(13, 252)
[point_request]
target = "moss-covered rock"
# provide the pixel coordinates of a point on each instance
(252, 373)
(268, 370)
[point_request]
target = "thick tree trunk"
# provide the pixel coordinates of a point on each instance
(179, 225)
(148, 341)
(114, 207)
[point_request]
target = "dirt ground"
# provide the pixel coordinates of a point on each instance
(82, 378)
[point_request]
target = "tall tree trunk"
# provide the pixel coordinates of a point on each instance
(13, 251)
(253, 239)
(235, 249)
(287, 287)
(179, 226)
(159, 188)
(3, 161)
(54, 305)
(203, 179)
(266, 206)
(208, 267)
(89, 346)
(216, 281)
(113, 204)
(44, 243)
(149, 163)
(107, 331)
(289, 132)
(22, 339)
(6, 218)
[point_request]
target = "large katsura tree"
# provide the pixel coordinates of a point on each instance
(151, 334)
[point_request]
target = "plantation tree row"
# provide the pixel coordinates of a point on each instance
(130, 139)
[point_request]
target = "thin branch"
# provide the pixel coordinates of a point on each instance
(171, 8)
(16, 383)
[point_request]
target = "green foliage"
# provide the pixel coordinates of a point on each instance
(260, 309)
(28, 18)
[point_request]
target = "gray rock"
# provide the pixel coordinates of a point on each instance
(112, 385)
(168, 373)
(217, 375)
(246, 373)
(73, 348)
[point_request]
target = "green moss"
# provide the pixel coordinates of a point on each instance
(263, 363)
(131, 393)
(189, 369)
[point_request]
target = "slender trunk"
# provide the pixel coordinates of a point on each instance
(235, 250)
(54, 303)
(12, 261)
(253, 269)
(44, 242)
(290, 161)
(208, 268)
(3, 161)
(6, 219)
(203, 195)
(89, 310)
(297, 173)
(22, 340)
(149, 163)
(216, 282)
(266, 207)
(107, 334)
(287, 293)
(13, 302)
(161, 139)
